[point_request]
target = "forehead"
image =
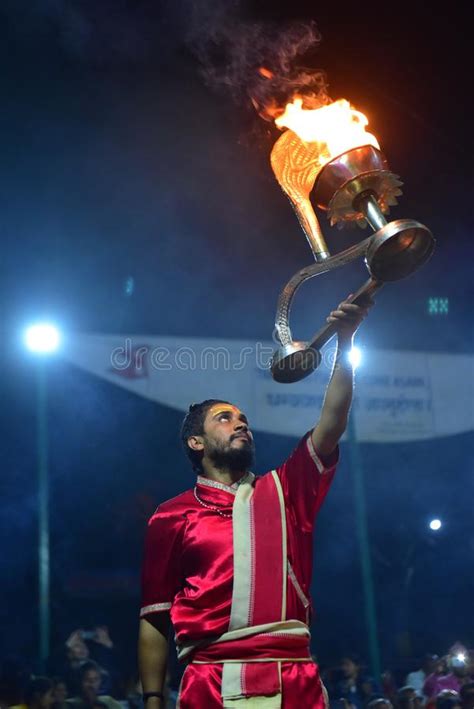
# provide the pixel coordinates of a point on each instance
(91, 674)
(217, 409)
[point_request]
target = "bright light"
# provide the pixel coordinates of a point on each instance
(435, 524)
(461, 657)
(42, 338)
(355, 357)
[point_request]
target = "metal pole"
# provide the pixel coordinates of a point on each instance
(43, 512)
(364, 548)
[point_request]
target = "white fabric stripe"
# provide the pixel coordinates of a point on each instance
(243, 557)
(231, 685)
(281, 500)
(232, 489)
(261, 702)
(286, 627)
(318, 462)
(304, 600)
(227, 660)
(154, 608)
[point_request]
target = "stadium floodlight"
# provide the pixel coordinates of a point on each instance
(42, 338)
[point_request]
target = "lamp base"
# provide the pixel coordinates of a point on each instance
(291, 363)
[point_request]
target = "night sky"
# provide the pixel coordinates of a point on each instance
(137, 199)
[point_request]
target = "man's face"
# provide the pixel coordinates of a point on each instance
(349, 668)
(91, 683)
(78, 650)
(408, 699)
(60, 692)
(468, 699)
(47, 699)
(227, 440)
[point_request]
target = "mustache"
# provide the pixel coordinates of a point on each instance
(243, 434)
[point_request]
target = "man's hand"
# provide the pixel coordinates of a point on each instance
(75, 640)
(102, 636)
(348, 316)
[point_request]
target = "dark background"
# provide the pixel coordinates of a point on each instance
(119, 163)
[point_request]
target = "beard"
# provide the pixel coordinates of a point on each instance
(236, 460)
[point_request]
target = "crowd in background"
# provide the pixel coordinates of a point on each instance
(85, 674)
(438, 683)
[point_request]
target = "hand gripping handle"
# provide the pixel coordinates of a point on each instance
(322, 336)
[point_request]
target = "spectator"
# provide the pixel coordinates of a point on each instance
(447, 699)
(89, 696)
(85, 646)
(38, 694)
(13, 678)
(457, 672)
(132, 691)
(354, 686)
(417, 679)
(467, 695)
(407, 698)
(389, 686)
(379, 703)
(60, 693)
(440, 679)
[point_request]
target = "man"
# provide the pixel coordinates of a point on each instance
(417, 679)
(408, 698)
(229, 563)
(457, 672)
(354, 685)
(89, 695)
(38, 694)
(467, 695)
(82, 647)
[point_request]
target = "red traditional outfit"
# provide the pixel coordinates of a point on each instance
(236, 583)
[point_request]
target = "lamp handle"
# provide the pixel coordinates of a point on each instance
(322, 336)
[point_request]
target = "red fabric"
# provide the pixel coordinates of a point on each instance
(267, 587)
(189, 563)
(261, 646)
(304, 489)
(301, 686)
(260, 678)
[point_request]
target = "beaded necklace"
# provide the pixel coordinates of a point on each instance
(209, 507)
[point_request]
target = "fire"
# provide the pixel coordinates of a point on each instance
(336, 127)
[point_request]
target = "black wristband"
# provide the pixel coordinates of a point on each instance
(147, 695)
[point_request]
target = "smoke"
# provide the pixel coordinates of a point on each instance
(105, 33)
(259, 63)
(262, 63)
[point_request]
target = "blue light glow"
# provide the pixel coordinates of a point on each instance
(42, 338)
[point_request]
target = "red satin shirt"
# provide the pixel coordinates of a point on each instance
(188, 562)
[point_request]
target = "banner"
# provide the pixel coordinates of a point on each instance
(399, 396)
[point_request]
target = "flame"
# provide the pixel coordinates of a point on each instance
(265, 73)
(336, 127)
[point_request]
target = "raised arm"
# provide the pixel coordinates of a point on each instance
(337, 402)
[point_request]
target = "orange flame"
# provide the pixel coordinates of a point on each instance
(266, 73)
(336, 127)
